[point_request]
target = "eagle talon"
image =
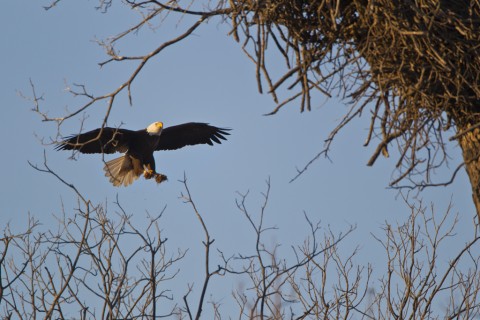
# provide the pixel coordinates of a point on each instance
(148, 174)
(159, 178)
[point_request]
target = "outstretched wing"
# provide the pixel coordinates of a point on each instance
(191, 133)
(106, 140)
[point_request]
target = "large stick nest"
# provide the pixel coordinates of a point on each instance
(415, 62)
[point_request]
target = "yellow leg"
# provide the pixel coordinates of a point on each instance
(148, 173)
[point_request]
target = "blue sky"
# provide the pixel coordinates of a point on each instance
(206, 78)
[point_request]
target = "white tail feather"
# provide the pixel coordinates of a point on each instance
(123, 171)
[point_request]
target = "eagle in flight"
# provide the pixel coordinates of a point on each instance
(138, 147)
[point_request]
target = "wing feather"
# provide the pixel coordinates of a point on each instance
(106, 140)
(188, 134)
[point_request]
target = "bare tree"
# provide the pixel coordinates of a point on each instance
(319, 283)
(412, 66)
(83, 268)
(415, 285)
(324, 282)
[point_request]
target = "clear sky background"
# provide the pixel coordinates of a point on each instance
(205, 78)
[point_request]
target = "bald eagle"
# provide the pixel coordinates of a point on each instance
(139, 146)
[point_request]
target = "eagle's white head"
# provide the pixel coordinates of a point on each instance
(155, 129)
